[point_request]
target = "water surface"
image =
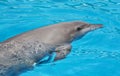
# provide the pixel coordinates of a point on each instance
(96, 54)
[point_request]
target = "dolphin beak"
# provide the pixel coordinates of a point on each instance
(95, 26)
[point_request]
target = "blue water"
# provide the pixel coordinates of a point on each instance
(96, 54)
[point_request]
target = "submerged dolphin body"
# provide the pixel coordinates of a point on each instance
(22, 51)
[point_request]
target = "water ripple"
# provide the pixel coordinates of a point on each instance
(96, 53)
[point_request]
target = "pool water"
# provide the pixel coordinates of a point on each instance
(96, 54)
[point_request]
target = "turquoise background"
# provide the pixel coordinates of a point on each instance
(96, 54)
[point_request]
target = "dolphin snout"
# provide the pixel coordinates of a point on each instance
(98, 25)
(95, 26)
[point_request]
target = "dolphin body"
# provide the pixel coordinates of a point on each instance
(19, 53)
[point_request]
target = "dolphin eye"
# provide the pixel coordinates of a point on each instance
(78, 29)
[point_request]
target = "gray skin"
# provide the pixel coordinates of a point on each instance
(19, 53)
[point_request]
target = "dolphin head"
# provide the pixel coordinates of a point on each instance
(66, 32)
(79, 29)
(71, 31)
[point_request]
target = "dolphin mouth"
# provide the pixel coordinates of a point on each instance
(95, 26)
